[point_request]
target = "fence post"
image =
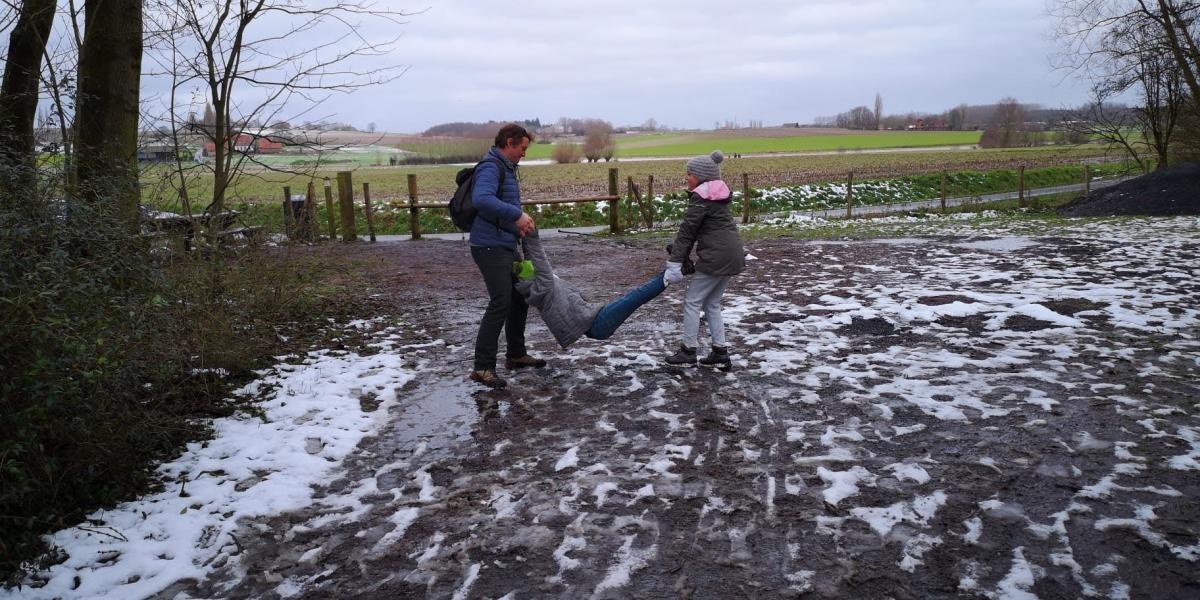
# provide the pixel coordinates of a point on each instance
(650, 202)
(943, 191)
(367, 208)
(635, 195)
(329, 209)
(346, 200)
(850, 195)
(614, 207)
(643, 208)
(745, 198)
(289, 219)
(1087, 180)
(312, 229)
(1021, 186)
(414, 216)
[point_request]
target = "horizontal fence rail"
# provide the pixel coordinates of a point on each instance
(301, 221)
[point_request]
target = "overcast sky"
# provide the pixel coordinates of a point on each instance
(693, 63)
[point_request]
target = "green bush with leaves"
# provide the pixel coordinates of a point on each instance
(85, 337)
(111, 348)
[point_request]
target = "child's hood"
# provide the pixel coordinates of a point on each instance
(714, 191)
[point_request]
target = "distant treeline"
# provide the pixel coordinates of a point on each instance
(963, 117)
(476, 130)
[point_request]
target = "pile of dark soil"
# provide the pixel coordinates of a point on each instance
(1170, 191)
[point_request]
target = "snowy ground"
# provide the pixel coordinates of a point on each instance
(1000, 411)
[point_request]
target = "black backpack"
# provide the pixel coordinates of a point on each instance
(462, 211)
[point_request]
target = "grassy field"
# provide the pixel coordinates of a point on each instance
(436, 183)
(781, 184)
(685, 144)
(364, 156)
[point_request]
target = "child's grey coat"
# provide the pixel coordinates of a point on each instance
(567, 314)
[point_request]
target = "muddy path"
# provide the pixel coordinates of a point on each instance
(935, 417)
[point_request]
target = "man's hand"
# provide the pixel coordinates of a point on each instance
(525, 225)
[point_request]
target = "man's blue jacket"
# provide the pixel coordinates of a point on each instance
(496, 223)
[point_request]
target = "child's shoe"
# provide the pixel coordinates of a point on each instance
(685, 356)
(718, 357)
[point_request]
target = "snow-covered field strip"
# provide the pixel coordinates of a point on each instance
(1010, 413)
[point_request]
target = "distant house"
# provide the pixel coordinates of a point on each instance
(794, 125)
(157, 153)
(930, 124)
(249, 144)
(269, 146)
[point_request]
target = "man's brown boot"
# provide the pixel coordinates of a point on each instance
(489, 378)
(523, 361)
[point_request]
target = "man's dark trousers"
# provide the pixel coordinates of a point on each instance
(506, 307)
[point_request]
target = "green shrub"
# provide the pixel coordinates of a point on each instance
(86, 347)
(111, 349)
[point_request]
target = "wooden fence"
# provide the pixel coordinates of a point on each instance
(301, 215)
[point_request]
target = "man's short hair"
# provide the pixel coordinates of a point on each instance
(511, 132)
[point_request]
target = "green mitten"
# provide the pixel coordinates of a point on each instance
(524, 270)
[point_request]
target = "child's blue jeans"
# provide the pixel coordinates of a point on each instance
(614, 313)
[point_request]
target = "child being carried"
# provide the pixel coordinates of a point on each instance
(566, 313)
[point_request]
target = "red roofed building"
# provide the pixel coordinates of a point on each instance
(249, 144)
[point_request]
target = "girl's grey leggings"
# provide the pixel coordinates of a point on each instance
(704, 293)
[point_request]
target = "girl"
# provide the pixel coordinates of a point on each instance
(709, 226)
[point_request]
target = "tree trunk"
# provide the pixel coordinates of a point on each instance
(19, 95)
(1169, 21)
(106, 121)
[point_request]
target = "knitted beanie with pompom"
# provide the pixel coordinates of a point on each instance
(706, 168)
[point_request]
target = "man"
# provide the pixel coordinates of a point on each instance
(498, 227)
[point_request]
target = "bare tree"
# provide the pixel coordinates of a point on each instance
(566, 153)
(1164, 97)
(1007, 127)
(1177, 19)
(262, 61)
(878, 111)
(106, 121)
(957, 117)
(859, 117)
(1094, 35)
(1149, 47)
(19, 93)
(1114, 124)
(59, 83)
(597, 140)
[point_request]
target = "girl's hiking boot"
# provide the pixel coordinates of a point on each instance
(719, 357)
(685, 356)
(521, 362)
(489, 378)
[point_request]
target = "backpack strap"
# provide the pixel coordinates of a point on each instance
(499, 184)
(500, 166)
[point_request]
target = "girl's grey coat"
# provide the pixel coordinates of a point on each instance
(567, 314)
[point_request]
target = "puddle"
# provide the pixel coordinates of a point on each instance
(436, 415)
(1007, 244)
(901, 241)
